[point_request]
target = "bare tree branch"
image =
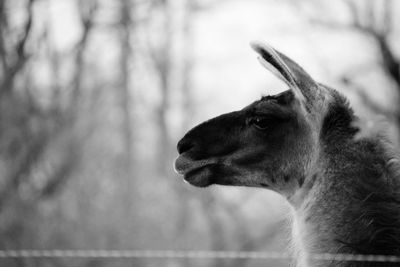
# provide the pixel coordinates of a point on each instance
(60, 172)
(390, 63)
(380, 32)
(366, 99)
(126, 26)
(3, 27)
(387, 17)
(19, 62)
(377, 27)
(23, 163)
(87, 18)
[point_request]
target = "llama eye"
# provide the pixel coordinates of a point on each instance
(261, 123)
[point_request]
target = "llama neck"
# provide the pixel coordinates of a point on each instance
(350, 206)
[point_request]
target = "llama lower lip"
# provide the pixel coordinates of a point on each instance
(198, 177)
(195, 172)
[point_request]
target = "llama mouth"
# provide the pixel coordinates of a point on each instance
(195, 172)
(184, 164)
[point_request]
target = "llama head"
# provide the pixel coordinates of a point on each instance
(274, 142)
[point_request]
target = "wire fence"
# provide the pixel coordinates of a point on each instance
(191, 254)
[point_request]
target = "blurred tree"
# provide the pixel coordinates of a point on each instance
(126, 56)
(41, 132)
(375, 20)
(161, 53)
(29, 127)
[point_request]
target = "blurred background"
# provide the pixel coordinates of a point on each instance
(95, 94)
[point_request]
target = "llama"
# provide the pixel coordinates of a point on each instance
(304, 144)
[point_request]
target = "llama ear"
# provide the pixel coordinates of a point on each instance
(304, 87)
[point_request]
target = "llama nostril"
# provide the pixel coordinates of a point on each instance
(184, 145)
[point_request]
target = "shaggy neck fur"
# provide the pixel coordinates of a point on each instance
(351, 204)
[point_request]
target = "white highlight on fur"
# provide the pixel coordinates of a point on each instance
(299, 246)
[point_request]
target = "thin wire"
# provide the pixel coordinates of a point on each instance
(191, 254)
